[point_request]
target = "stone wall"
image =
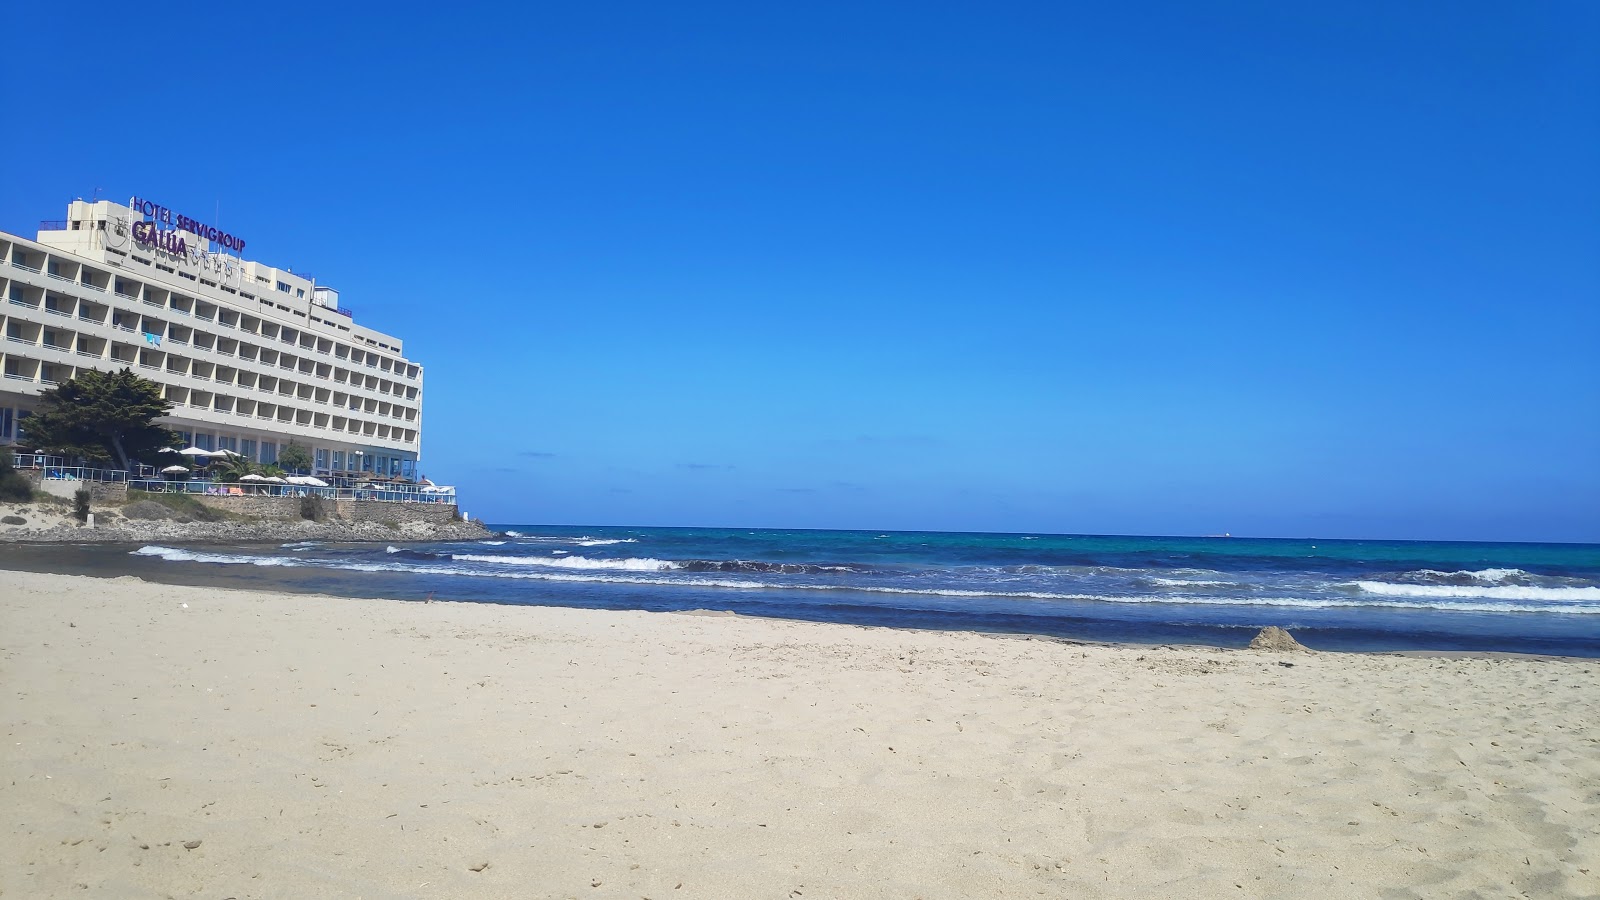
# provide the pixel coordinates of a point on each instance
(273, 509)
(399, 513)
(99, 491)
(283, 509)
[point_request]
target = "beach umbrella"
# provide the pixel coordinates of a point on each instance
(252, 477)
(194, 451)
(313, 481)
(226, 453)
(170, 470)
(275, 480)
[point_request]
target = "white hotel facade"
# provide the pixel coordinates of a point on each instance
(252, 357)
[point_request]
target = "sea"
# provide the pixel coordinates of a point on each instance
(1332, 594)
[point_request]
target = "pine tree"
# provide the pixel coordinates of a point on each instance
(103, 416)
(294, 457)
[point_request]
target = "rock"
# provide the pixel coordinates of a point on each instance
(479, 867)
(190, 845)
(1277, 640)
(14, 520)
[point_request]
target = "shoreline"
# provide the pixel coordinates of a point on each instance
(103, 559)
(355, 747)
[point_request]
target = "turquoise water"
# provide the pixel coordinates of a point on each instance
(1536, 598)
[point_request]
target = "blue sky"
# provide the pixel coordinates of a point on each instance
(1263, 268)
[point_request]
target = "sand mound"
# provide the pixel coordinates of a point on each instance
(1277, 640)
(147, 509)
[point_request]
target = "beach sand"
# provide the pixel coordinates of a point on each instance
(258, 745)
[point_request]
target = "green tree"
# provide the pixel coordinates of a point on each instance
(294, 457)
(103, 416)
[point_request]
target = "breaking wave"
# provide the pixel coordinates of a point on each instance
(1503, 592)
(571, 562)
(665, 573)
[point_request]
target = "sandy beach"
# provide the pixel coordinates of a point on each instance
(170, 741)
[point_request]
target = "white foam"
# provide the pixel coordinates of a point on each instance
(492, 543)
(1179, 582)
(1465, 592)
(572, 562)
(604, 542)
(1506, 599)
(173, 554)
(1482, 576)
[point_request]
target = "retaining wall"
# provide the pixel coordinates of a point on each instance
(399, 513)
(99, 491)
(284, 509)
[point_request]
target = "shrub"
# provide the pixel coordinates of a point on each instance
(80, 505)
(13, 487)
(311, 507)
(175, 504)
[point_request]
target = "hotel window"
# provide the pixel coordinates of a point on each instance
(269, 453)
(22, 436)
(322, 460)
(5, 422)
(205, 441)
(338, 460)
(300, 293)
(282, 286)
(248, 448)
(228, 443)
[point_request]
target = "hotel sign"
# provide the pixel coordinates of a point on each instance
(169, 241)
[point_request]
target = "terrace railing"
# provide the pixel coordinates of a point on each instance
(51, 468)
(265, 489)
(145, 478)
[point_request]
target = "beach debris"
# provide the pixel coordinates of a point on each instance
(1277, 640)
(190, 845)
(480, 866)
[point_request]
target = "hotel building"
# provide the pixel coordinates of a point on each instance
(252, 357)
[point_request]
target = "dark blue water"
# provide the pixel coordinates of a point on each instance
(1368, 595)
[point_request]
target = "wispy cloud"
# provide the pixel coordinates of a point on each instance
(886, 440)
